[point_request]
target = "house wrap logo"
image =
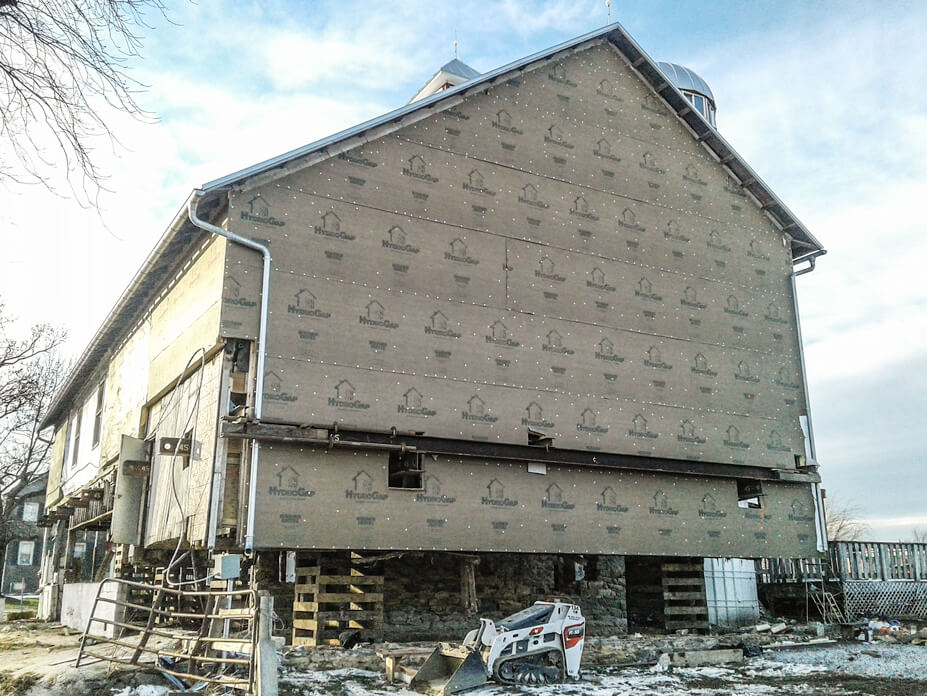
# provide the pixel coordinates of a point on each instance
(755, 251)
(396, 241)
(363, 490)
(708, 509)
(555, 136)
(609, 502)
(603, 149)
(503, 122)
(412, 404)
(654, 358)
(259, 211)
(774, 314)
(691, 174)
(553, 343)
(606, 89)
(356, 156)
(651, 103)
(732, 306)
(744, 373)
(596, 280)
(687, 433)
(690, 299)
(476, 411)
(580, 208)
(639, 428)
(558, 74)
(605, 350)
(716, 242)
(701, 367)
(784, 378)
(547, 270)
(304, 305)
(331, 227)
(529, 196)
(534, 417)
(417, 168)
(345, 397)
(231, 294)
(799, 513)
(587, 423)
(495, 495)
(629, 219)
(273, 388)
(432, 492)
(458, 252)
(499, 335)
(288, 485)
(553, 499)
(375, 316)
(649, 162)
(732, 438)
(661, 505)
(645, 290)
(476, 183)
(776, 444)
(671, 231)
(438, 326)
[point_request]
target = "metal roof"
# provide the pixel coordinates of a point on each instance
(686, 78)
(459, 68)
(181, 238)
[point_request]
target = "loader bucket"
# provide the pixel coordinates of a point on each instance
(449, 670)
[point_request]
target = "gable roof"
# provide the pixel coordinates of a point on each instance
(181, 238)
(458, 67)
(803, 243)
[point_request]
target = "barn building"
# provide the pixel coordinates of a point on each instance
(533, 333)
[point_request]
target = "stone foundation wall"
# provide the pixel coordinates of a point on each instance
(423, 592)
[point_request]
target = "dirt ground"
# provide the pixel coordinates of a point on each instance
(36, 659)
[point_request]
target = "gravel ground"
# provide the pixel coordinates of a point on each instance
(864, 659)
(842, 671)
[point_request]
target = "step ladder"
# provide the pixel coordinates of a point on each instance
(826, 604)
(334, 594)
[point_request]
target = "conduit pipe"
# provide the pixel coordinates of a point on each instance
(261, 350)
(820, 523)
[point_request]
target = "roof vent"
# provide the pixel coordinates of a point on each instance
(449, 75)
(693, 88)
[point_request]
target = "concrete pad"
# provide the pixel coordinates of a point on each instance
(703, 658)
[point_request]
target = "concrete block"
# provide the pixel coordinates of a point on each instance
(702, 658)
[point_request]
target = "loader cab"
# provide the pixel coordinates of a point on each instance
(535, 615)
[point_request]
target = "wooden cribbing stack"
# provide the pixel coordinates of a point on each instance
(334, 595)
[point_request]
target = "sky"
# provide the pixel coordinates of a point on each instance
(825, 100)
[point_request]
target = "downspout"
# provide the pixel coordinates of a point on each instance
(261, 350)
(820, 523)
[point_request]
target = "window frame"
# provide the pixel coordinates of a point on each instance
(98, 415)
(30, 544)
(30, 505)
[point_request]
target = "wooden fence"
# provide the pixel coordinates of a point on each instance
(851, 561)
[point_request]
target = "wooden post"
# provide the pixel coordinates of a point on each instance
(916, 560)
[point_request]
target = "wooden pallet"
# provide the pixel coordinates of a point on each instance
(333, 595)
(684, 602)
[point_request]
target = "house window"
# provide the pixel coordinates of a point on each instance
(80, 549)
(30, 512)
(749, 494)
(405, 470)
(98, 416)
(24, 556)
(77, 420)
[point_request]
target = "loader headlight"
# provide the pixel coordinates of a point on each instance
(573, 635)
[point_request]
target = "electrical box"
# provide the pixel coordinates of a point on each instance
(227, 566)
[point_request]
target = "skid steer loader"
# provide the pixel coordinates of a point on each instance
(542, 644)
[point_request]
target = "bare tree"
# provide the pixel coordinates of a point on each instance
(63, 65)
(844, 522)
(31, 371)
(919, 535)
